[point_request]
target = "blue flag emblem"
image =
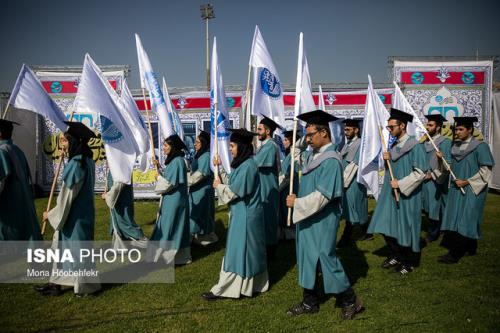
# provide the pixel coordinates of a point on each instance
(269, 83)
(109, 132)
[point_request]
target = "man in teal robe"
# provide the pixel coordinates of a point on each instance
(120, 200)
(317, 211)
(18, 220)
(172, 226)
(267, 159)
(472, 163)
(355, 200)
(73, 218)
(435, 186)
(400, 222)
(244, 267)
(201, 194)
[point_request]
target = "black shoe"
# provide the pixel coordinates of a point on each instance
(366, 237)
(301, 308)
(349, 311)
(49, 289)
(403, 269)
(390, 262)
(447, 259)
(209, 296)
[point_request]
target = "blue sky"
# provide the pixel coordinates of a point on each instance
(344, 40)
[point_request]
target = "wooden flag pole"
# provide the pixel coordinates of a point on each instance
(150, 130)
(5, 112)
(384, 147)
(54, 181)
(292, 170)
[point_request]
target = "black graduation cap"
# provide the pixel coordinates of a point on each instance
(7, 125)
(204, 135)
(438, 118)
(79, 130)
(177, 141)
(271, 124)
(465, 121)
(401, 116)
(352, 122)
(241, 135)
(317, 117)
(289, 134)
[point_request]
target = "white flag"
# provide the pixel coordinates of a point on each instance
(336, 127)
(304, 101)
(219, 111)
(415, 128)
(267, 98)
(137, 126)
(176, 120)
(95, 94)
(149, 82)
(370, 154)
(29, 94)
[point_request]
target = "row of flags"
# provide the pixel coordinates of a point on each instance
(126, 136)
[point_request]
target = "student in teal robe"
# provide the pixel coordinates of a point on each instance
(244, 267)
(317, 211)
(355, 200)
(18, 220)
(172, 226)
(435, 186)
(288, 232)
(120, 200)
(267, 159)
(400, 223)
(472, 163)
(201, 194)
(73, 218)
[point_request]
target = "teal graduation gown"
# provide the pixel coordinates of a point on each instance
(355, 200)
(202, 198)
(246, 239)
(464, 213)
(122, 214)
(173, 223)
(18, 220)
(434, 194)
(403, 221)
(267, 162)
(317, 235)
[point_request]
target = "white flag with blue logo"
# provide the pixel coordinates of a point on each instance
(136, 124)
(29, 94)
(96, 95)
(149, 82)
(370, 153)
(176, 120)
(267, 99)
(415, 128)
(219, 111)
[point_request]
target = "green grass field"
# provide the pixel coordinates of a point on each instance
(434, 298)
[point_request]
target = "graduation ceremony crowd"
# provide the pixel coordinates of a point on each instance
(325, 191)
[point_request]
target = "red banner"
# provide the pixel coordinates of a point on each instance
(434, 78)
(65, 87)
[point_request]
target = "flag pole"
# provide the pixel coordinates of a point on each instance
(5, 112)
(216, 173)
(247, 100)
(292, 170)
(150, 130)
(54, 181)
(389, 166)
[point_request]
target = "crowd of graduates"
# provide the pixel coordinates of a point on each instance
(325, 191)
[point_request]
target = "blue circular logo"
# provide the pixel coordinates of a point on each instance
(468, 78)
(269, 83)
(382, 98)
(230, 102)
(56, 87)
(417, 78)
(109, 132)
(439, 98)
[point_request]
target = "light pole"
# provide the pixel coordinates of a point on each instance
(207, 13)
